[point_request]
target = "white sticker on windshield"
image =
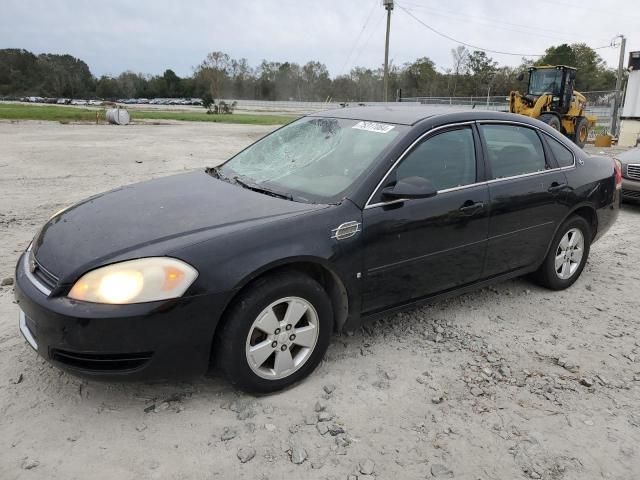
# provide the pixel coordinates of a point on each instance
(373, 127)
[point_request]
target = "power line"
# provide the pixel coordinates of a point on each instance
(500, 23)
(581, 8)
(364, 26)
(497, 25)
(486, 20)
(464, 43)
(408, 12)
(366, 43)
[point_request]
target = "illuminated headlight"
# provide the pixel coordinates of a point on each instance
(135, 281)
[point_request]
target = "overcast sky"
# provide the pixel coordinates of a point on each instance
(151, 35)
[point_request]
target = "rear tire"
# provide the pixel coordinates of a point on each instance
(266, 344)
(551, 120)
(567, 255)
(581, 132)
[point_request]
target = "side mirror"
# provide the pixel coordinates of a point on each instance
(410, 187)
(520, 77)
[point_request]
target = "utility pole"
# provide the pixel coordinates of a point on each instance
(618, 96)
(388, 5)
(491, 79)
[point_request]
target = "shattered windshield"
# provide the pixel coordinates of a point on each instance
(313, 159)
(545, 81)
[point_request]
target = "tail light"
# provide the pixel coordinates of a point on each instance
(617, 167)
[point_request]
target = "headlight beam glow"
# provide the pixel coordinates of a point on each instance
(135, 281)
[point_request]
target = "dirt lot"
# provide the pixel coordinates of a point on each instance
(508, 382)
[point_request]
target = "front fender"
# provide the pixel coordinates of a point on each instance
(228, 263)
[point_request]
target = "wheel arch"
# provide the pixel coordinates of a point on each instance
(588, 212)
(584, 210)
(316, 268)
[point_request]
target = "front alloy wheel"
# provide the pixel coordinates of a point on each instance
(282, 338)
(275, 333)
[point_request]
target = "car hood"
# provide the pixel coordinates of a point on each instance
(630, 156)
(165, 213)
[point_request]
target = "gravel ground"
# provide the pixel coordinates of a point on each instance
(508, 382)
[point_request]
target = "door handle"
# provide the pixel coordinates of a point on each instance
(556, 187)
(469, 208)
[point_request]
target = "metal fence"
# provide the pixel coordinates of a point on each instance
(497, 103)
(283, 106)
(599, 104)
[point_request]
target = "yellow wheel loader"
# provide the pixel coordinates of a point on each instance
(551, 99)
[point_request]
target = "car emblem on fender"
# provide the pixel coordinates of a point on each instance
(345, 230)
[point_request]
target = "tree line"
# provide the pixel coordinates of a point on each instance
(471, 73)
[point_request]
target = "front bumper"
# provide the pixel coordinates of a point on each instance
(155, 340)
(630, 189)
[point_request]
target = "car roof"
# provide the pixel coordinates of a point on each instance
(409, 114)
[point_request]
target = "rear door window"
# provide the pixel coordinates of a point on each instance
(513, 150)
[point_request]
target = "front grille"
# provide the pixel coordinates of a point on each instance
(633, 171)
(46, 277)
(101, 362)
(630, 194)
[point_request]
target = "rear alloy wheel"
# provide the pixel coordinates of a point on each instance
(551, 120)
(581, 132)
(275, 333)
(569, 252)
(567, 256)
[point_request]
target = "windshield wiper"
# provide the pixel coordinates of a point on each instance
(257, 188)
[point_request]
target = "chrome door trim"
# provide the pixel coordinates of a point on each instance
(391, 202)
(462, 187)
(446, 190)
(523, 175)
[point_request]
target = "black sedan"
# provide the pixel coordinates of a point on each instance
(328, 222)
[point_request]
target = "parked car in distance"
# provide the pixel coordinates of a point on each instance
(630, 174)
(330, 221)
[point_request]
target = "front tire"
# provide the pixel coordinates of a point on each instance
(567, 255)
(275, 333)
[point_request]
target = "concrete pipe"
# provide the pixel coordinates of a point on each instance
(117, 116)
